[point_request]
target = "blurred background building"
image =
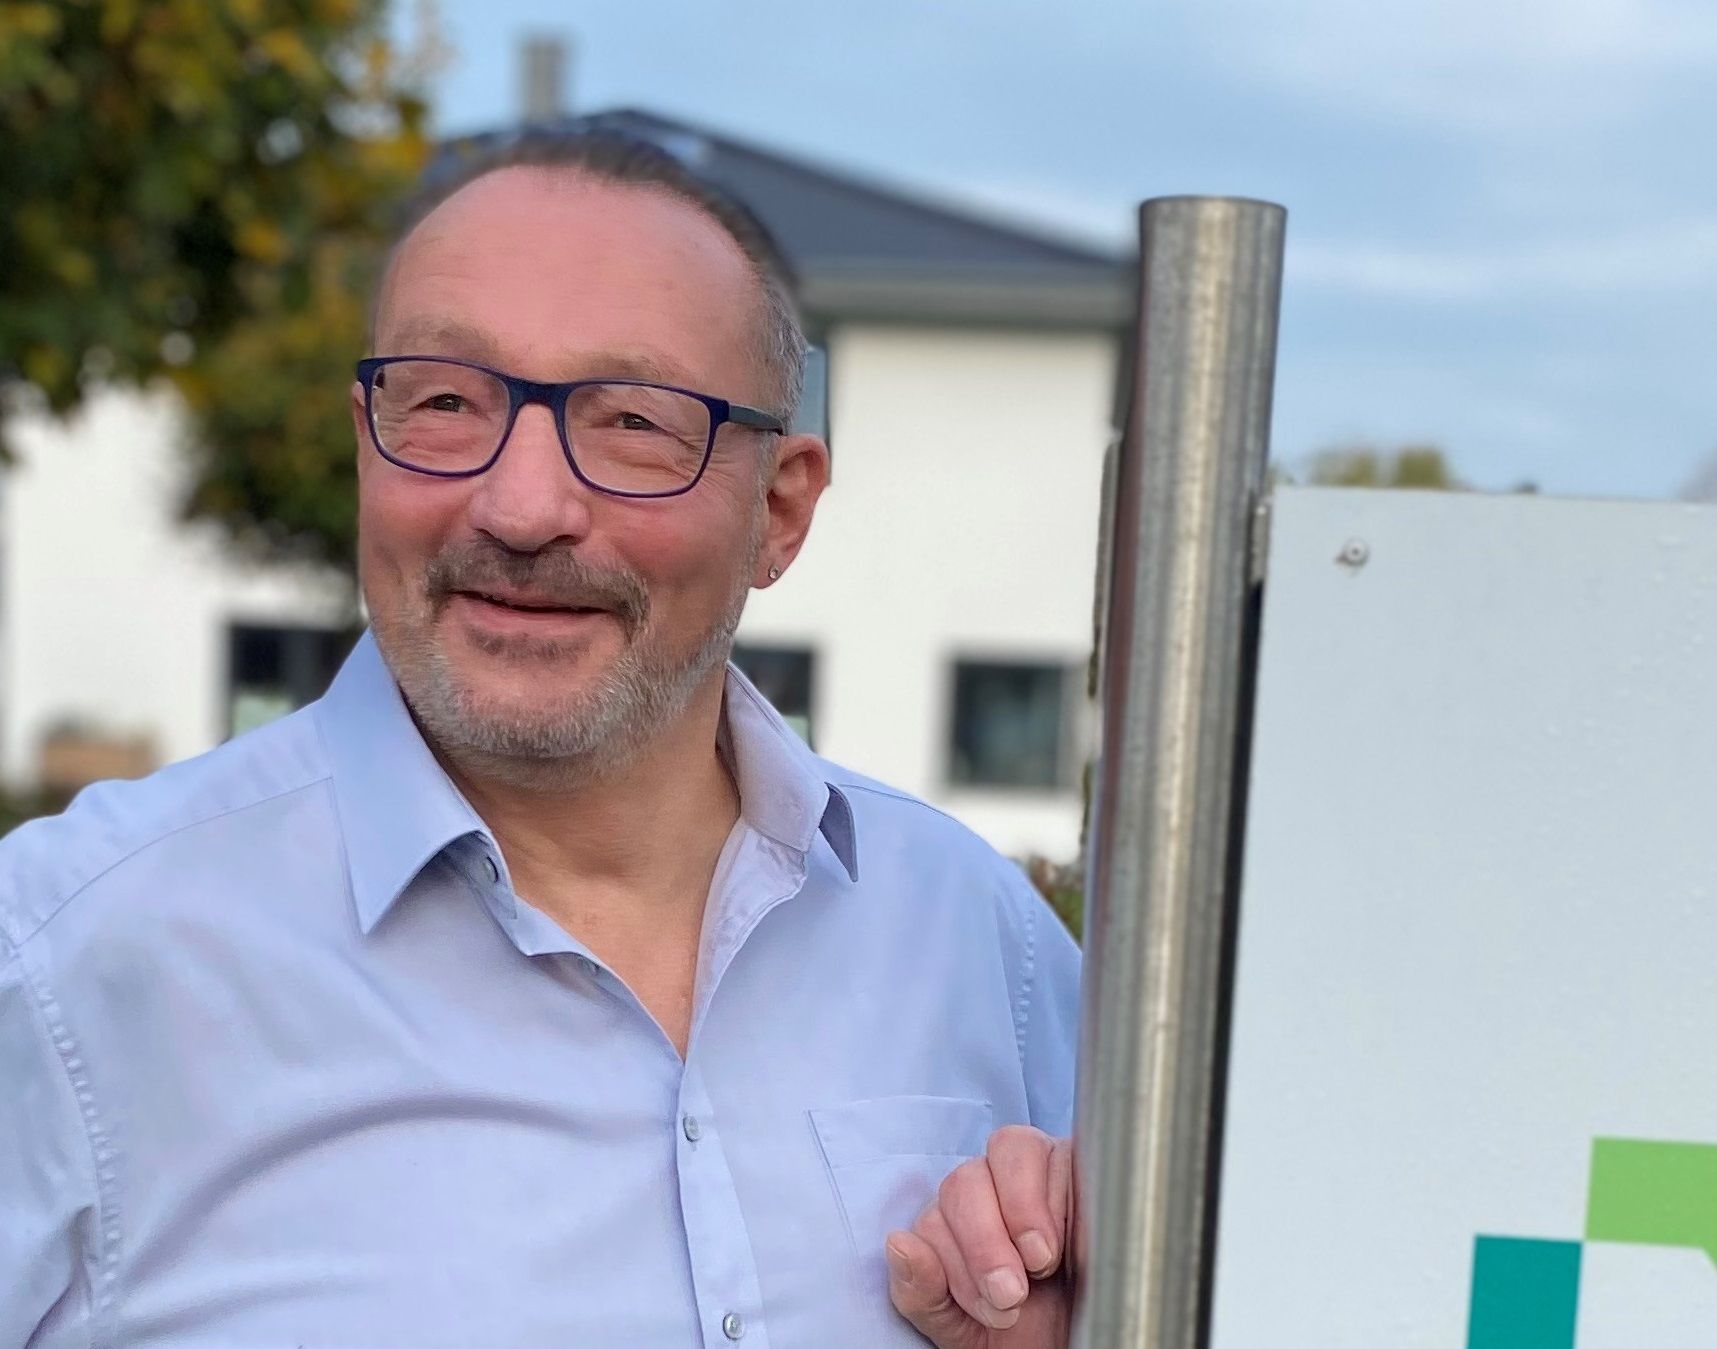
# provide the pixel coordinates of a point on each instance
(1495, 281)
(935, 633)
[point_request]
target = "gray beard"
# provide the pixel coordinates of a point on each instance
(577, 740)
(583, 740)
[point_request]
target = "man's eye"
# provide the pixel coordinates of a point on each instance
(445, 402)
(636, 421)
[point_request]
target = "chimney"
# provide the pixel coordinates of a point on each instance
(542, 87)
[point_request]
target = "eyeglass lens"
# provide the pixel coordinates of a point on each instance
(448, 418)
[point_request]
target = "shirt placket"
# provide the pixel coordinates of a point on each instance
(724, 1274)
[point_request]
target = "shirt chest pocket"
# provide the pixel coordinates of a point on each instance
(887, 1156)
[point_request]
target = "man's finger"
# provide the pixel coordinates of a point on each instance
(918, 1287)
(986, 1273)
(1031, 1182)
(1062, 1182)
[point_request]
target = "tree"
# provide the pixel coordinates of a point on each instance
(270, 436)
(1411, 466)
(197, 191)
(1063, 889)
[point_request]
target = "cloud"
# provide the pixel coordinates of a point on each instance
(1487, 66)
(1678, 256)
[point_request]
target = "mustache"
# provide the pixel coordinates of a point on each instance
(556, 576)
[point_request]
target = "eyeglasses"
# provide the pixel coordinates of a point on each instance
(626, 437)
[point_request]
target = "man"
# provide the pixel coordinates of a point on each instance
(537, 986)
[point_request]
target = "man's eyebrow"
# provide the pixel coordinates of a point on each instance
(456, 338)
(629, 364)
(443, 337)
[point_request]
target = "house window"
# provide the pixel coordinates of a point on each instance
(1010, 724)
(783, 676)
(275, 670)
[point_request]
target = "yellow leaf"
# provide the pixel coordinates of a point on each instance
(260, 239)
(28, 21)
(287, 50)
(118, 20)
(75, 267)
(44, 366)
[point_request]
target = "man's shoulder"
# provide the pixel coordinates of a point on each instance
(46, 863)
(900, 809)
(924, 860)
(899, 824)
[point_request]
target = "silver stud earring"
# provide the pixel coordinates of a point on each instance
(775, 573)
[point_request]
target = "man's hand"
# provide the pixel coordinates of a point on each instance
(982, 1268)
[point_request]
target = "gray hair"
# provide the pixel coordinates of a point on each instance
(612, 156)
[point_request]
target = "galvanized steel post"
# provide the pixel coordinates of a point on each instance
(1188, 493)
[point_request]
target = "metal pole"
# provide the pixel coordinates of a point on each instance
(1188, 488)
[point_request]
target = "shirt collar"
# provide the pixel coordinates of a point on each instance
(784, 793)
(398, 808)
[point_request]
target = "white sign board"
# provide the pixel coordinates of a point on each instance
(1472, 1099)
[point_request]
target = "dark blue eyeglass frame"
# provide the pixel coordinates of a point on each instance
(554, 397)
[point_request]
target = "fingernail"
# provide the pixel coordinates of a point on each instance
(1003, 1289)
(1034, 1250)
(899, 1267)
(997, 1319)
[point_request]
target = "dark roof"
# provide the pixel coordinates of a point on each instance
(866, 251)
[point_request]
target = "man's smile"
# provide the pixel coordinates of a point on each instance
(531, 601)
(501, 612)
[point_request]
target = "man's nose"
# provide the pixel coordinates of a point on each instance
(529, 498)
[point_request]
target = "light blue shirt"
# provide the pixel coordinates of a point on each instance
(285, 1060)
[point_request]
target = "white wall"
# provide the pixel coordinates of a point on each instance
(112, 614)
(962, 522)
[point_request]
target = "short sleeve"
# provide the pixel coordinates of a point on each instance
(47, 1194)
(1043, 973)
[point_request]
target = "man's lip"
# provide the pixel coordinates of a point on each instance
(527, 603)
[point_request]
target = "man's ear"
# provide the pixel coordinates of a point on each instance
(360, 424)
(801, 473)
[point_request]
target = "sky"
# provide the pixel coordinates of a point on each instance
(1502, 232)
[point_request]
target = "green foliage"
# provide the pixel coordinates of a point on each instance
(272, 439)
(1061, 889)
(191, 189)
(1411, 466)
(16, 809)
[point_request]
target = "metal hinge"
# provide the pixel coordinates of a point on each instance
(1258, 548)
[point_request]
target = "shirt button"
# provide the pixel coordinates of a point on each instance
(693, 1131)
(733, 1325)
(490, 866)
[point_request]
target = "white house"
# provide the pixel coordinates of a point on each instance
(935, 632)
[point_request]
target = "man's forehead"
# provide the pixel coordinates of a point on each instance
(565, 226)
(565, 215)
(437, 334)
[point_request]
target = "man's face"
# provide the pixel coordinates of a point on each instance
(527, 617)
